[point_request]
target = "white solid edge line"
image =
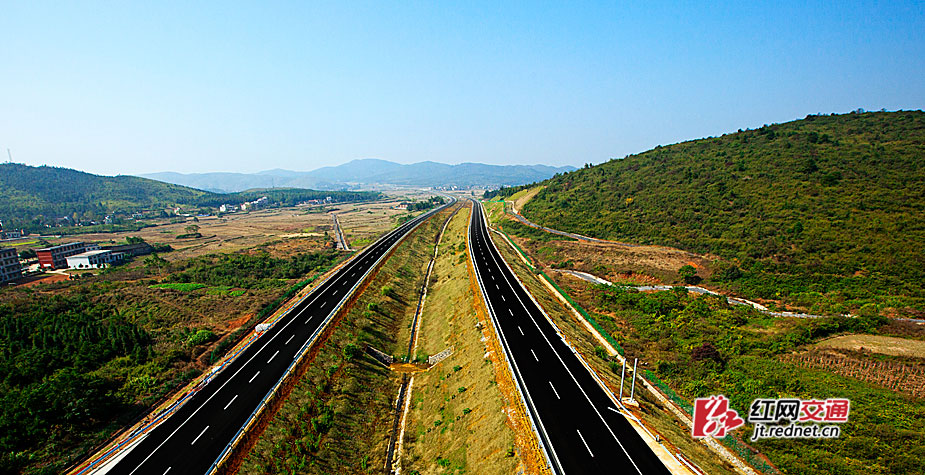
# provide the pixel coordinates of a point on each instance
(559, 357)
(330, 283)
(536, 419)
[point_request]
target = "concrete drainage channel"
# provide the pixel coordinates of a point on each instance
(402, 402)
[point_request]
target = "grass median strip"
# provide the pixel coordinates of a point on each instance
(337, 417)
(459, 420)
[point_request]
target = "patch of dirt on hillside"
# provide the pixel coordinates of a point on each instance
(233, 325)
(616, 263)
(886, 345)
(521, 198)
(46, 279)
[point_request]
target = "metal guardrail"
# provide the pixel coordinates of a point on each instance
(522, 391)
(304, 349)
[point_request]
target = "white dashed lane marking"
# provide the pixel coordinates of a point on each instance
(554, 391)
(200, 435)
(583, 442)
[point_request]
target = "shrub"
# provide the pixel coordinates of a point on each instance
(350, 351)
(199, 337)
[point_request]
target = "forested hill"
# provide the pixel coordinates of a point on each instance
(31, 197)
(27, 192)
(829, 194)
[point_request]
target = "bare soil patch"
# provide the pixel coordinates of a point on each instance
(522, 197)
(616, 263)
(43, 279)
(886, 345)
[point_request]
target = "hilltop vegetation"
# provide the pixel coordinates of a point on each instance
(36, 195)
(826, 210)
(32, 197)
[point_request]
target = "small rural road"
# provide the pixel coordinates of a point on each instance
(339, 234)
(579, 237)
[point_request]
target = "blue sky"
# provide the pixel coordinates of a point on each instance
(135, 87)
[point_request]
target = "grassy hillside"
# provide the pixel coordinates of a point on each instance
(824, 209)
(31, 197)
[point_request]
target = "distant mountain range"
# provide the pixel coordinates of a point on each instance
(359, 173)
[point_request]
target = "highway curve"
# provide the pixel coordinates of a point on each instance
(577, 421)
(194, 439)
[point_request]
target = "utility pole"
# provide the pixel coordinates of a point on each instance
(622, 375)
(9, 154)
(633, 390)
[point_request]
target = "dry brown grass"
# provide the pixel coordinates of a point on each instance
(638, 265)
(886, 345)
(521, 198)
(614, 262)
(360, 392)
(280, 231)
(458, 414)
(233, 232)
(362, 223)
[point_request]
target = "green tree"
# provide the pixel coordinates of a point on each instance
(688, 273)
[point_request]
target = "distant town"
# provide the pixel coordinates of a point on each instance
(84, 256)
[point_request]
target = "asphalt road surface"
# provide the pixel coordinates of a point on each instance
(193, 439)
(577, 421)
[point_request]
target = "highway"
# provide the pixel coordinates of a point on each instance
(195, 438)
(577, 421)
